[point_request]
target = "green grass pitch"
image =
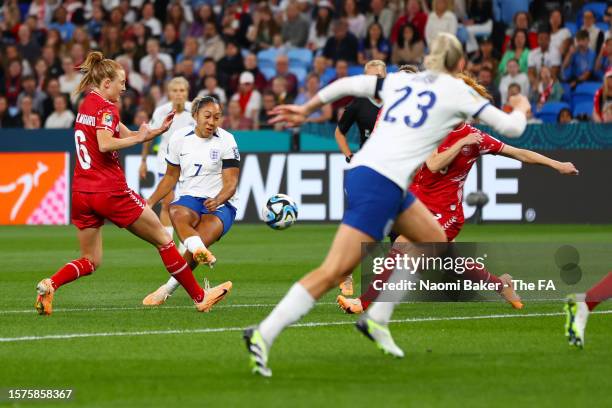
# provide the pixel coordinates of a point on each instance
(173, 356)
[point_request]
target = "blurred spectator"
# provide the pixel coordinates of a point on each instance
(128, 107)
(34, 121)
(186, 69)
(602, 97)
(321, 27)
(81, 37)
(149, 19)
(268, 103)
(61, 23)
(512, 90)
(230, 66)
(513, 76)
(280, 89)
(133, 80)
(263, 29)
(544, 55)
(69, 82)
(295, 28)
(440, 20)
(153, 55)
(43, 10)
(374, 45)
(61, 117)
(37, 33)
(141, 34)
(77, 53)
(413, 14)
(519, 50)
(209, 68)
(110, 42)
(565, 117)
(338, 106)
(52, 90)
(179, 20)
(28, 87)
(6, 120)
(128, 13)
(356, 21)
(250, 64)
(522, 21)
(319, 66)
(596, 37)
(205, 14)
(159, 76)
(381, 14)
(324, 114)
(343, 45)
(24, 115)
(282, 71)
(579, 61)
(607, 113)
(505, 10)
(484, 56)
(213, 45)
(477, 22)
(409, 48)
(234, 120)
(547, 89)
(53, 62)
(26, 45)
(140, 118)
(485, 77)
(603, 63)
(116, 18)
(236, 22)
(190, 51)
(41, 73)
(211, 88)
(248, 97)
(171, 43)
(12, 82)
(560, 37)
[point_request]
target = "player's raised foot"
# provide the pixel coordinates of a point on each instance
(349, 305)
(44, 298)
(258, 352)
(380, 335)
(214, 295)
(157, 298)
(204, 256)
(346, 287)
(508, 292)
(577, 315)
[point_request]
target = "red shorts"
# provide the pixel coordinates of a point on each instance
(89, 210)
(451, 224)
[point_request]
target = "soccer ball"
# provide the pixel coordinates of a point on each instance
(280, 212)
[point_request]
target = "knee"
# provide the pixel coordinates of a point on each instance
(165, 206)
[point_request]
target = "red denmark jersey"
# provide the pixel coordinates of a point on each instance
(96, 171)
(442, 192)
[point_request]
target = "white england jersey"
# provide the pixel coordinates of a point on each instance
(180, 120)
(419, 111)
(201, 161)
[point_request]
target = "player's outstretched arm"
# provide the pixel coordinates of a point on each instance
(530, 157)
(229, 177)
(108, 143)
(166, 185)
(438, 161)
(509, 125)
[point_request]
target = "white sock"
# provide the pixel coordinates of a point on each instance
(381, 311)
(181, 248)
(296, 303)
(194, 242)
(170, 230)
(172, 285)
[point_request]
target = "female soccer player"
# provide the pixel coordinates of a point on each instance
(178, 92)
(205, 161)
(99, 189)
(418, 111)
(439, 185)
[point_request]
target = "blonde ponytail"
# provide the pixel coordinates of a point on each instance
(95, 69)
(445, 53)
(472, 83)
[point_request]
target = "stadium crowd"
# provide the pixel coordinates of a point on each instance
(253, 55)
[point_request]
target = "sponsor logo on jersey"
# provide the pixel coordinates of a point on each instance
(107, 119)
(236, 153)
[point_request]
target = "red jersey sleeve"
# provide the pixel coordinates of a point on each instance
(108, 118)
(490, 145)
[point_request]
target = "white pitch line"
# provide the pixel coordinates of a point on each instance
(233, 329)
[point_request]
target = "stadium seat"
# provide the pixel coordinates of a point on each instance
(567, 92)
(550, 111)
(266, 61)
(585, 92)
(392, 68)
(300, 57)
(301, 73)
(603, 26)
(355, 70)
(583, 109)
(328, 75)
(572, 27)
(268, 72)
(597, 7)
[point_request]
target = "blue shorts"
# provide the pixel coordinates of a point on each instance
(373, 202)
(226, 213)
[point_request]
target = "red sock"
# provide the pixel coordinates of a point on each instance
(371, 294)
(600, 292)
(178, 268)
(72, 271)
(482, 275)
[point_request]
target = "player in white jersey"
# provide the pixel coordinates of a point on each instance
(418, 112)
(178, 93)
(205, 162)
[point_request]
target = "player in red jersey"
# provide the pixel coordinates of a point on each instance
(100, 191)
(439, 185)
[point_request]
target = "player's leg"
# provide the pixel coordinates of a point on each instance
(185, 215)
(579, 306)
(164, 213)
